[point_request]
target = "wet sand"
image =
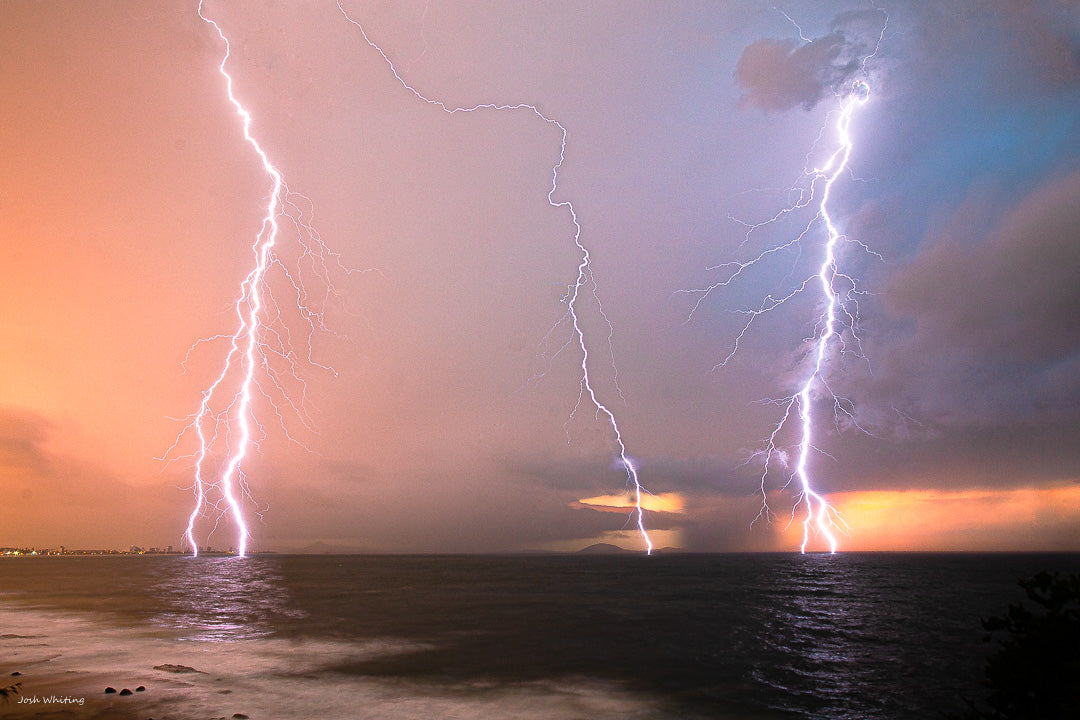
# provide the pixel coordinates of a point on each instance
(44, 682)
(45, 692)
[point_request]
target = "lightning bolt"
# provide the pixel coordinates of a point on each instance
(839, 296)
(819, 514)
(574, 290)
(225, 416)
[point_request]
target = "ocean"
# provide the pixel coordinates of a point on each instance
(863, 636)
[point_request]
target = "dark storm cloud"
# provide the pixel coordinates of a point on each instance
(34, 468)
(1022, 41)
(76, 493)
(953, 456)
(1015, 295)
(972, 195)
(22, 434)
(777, 75)
(667, 473)
(995, 332)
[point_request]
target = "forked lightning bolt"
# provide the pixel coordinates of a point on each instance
(838, 292)
(574, 290)
(819, 514)
(224, 424)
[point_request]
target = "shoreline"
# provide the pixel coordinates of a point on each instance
(59, 694)
(60, 664)
(75, 656)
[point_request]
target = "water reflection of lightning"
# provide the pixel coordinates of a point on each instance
(223, 423)
(584, 277)
(837, 322)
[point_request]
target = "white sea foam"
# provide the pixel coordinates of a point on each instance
(279, 678)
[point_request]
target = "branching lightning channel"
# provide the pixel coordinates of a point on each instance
(260, 359)
(836, 324)
(584, 275)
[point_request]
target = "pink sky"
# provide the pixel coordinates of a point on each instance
(129, 202)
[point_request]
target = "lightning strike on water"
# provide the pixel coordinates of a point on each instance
(838, 322)
(821, 518)
(223, 423)
(584, 276)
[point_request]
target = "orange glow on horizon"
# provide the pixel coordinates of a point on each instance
(984, 519)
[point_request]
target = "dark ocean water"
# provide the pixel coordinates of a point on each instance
(671, 636)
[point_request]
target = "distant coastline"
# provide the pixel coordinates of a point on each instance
(54, 552)
(596, 549)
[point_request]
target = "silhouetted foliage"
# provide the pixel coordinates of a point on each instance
(1035, 673)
